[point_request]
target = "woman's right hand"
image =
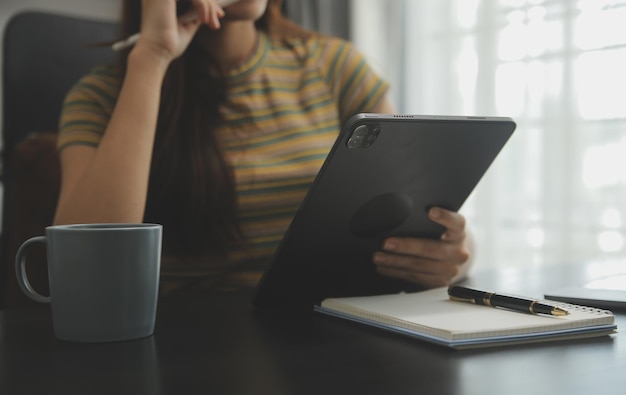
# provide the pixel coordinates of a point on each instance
(165, 35)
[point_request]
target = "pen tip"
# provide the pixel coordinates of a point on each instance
(559, 311)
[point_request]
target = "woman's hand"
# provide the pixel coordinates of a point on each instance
(167, 36)
(431, 263)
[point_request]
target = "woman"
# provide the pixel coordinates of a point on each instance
(216, 127)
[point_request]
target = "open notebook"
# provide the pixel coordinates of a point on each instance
(432, 317)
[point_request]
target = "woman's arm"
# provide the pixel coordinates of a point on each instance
(110, 183)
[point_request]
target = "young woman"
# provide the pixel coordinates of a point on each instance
(215, 128)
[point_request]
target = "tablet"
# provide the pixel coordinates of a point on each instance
(380, 178)
(607, 293)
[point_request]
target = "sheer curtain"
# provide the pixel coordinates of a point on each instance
(557, 193)
(324, 16)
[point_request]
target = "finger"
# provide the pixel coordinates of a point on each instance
(207, 12)
(407, 249)
(214, 19)
(427, 248)
(447, 218)
(417, 265)
(200, 9)
(429, 280)
(452, 221)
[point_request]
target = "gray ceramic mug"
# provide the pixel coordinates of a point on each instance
(104, 279)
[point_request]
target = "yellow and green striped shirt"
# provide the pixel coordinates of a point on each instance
(285, 106)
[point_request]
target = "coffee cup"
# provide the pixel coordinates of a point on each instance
(104, 279)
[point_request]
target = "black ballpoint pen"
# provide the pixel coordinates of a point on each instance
(463, 294)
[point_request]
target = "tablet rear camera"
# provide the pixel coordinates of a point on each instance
(360, 131)
(355, 141)
(363, 136)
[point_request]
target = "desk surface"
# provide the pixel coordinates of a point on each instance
(216, 343)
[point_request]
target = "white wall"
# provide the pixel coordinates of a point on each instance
(97, 9)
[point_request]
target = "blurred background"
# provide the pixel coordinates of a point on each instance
(557, 192)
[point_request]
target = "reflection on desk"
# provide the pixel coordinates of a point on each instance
(216, 343)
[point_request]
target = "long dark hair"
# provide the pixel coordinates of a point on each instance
(192, 188)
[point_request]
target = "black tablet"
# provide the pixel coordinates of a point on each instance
(380, 178)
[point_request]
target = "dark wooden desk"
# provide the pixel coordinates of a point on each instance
(217, 344)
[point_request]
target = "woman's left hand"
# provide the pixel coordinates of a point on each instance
(428, 262)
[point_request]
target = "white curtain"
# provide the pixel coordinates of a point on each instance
(557, 192)
(325, 16)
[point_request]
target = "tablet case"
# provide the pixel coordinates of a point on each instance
(380, 178)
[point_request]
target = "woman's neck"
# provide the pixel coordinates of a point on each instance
(232, 44)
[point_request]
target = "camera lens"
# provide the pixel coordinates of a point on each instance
(364, 136)
(360, 131)
(355, 142)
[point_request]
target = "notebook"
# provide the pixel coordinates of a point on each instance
(608, 292)
(380, 178)
(431, 316)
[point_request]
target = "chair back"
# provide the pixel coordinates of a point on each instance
(43, 54)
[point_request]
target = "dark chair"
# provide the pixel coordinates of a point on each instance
(44, 54)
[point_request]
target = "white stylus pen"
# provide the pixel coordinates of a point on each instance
(187, 18)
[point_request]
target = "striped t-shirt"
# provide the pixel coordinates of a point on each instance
(284, 110)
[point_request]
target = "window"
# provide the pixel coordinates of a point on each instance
(557, 192)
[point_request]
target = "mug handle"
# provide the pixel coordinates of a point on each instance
(20, 270)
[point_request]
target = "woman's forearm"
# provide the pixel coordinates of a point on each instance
(110, 183)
